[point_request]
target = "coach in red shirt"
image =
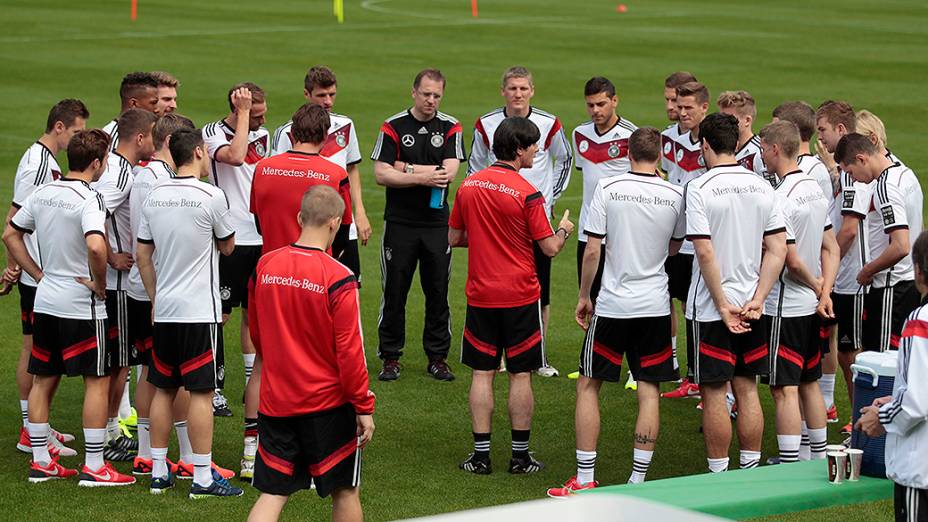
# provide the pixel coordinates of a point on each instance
(498, 215)
(315, 411)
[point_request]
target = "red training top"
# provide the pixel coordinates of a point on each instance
(303, 312)
(502, 214)
(277, 191)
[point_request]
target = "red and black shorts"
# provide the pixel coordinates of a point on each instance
(234, 272)
(26, 302)
(795, 349)
(644, 342)
(849, 312)
(188, 355)
(119, 335)
(724, 355)
(72, 347)
(885, 312)
(490, 331)
(140, 330)
(679, 270)
(543, 271)
(320, 448)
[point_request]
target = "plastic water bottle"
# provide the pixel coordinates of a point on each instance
(437, 199)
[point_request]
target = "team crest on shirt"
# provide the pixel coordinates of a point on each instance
(437, 140)
(614, 151)
(584, 146)
(667, 147)
(341, 140)
(888, 216)
(259, 148)
(225, 293)
(701, 161)
(679, 154)
(388, 253)
(408, 140)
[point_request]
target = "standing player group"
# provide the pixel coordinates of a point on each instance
(785, 264)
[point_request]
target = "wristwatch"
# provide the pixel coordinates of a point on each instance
(408, 169)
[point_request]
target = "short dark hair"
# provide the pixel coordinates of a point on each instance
(66, 111)
(257, 93)
(678, 78)
(135, 121)
(598, 84)
(514, 133)
(168, 124)
(645, 144)
(850, 145)
(318, 76)
(920, 254)
(310, 124)
(720, 131)
(432, 74)
(182, 144)
(836, 112)
(694, 89)
(86, 146)
(133, 84)
(800, 113)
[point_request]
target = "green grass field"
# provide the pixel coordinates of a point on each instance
(869, 53)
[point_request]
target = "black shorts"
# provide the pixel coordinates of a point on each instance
(795, 349)
(71, 347)
(724, 355)
(679, 270)
(234, 272)
(885, 312)
(598, 278)
(119, 344)
(320, 448)
(910, 504)
(543, 269)
(26, 302)
(489, 331)
(351, 258)
(140, 330)
(644, 342)
(849, 312)
(188, 355)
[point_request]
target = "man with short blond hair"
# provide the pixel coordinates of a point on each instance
(167, 92)
(740, 104)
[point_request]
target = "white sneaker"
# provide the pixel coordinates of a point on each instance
(63, 450)
(248, 468)
(63, 437)
(547, 371)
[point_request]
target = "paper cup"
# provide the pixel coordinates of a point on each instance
(835, 447)
(854, 459)
(837, 466)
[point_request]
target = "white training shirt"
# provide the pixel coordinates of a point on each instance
(854, 199)
(341, 147)
(113, 130)
(805, 213)
(749, 157)
(61, 214)
(735, 209)
(37, 167)
(599, 156)
(236, 181)
(814, 167)
(183, 217)
(146, 178)
(114, 185)
(550, 172)
(897, 203)
(638, 214)
(682, 160)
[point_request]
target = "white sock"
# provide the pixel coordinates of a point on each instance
(827, 385)
(183, 442)
(112, 428)
(125, 407)
(93, 447)
(586, 465)
(641, 461)
(24, 410)
(251, 446)
(202, 469)
(718, 465)
(749, 459)
(789, 447)
(730, 401)
(818, 439)
(249, 359)
(673, 346)
(38, 438)
(159, 461)
(804, 448)
(144, 438)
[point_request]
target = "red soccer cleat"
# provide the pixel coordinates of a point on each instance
(570, 487)
(53, 471)
(686, 390)
(832, 414)
(105, 476)
(847, 429)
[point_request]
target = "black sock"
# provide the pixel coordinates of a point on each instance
(520, 443)
(482, 446)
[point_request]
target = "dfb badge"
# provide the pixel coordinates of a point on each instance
(437, 140)
(341, 140)
(225, 293)
(259, 148)
(889, 218)
(584, 146)
(388, 253)
(614, 151)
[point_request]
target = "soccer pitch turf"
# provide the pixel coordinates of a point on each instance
(869, 53)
